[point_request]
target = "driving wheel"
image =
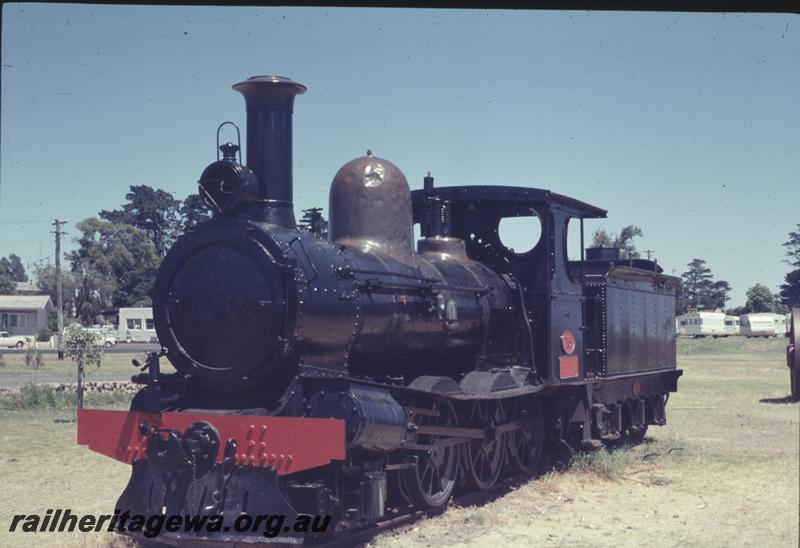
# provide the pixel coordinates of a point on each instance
(485, 458)
(525, 445)
(430, 484)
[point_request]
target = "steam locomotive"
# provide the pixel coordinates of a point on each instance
(337, 376)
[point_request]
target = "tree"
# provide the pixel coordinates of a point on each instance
(45, 277)
(154, 211)
(736, 311)
(8, 286)
(13, 266)
(115, 265)
(718, 294)
(11, 272)
(313, 221)
(790, 291)
(761, 299)
(699, 290)
(794, 247)
(194, 211)
(85, 348)
(624, 241)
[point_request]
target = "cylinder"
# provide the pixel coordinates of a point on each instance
(270, 103)
(374, 421)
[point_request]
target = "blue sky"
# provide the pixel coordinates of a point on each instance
(687, 125)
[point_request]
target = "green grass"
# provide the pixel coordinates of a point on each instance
(43, 397)
(110, 365)
(616, 463)
(730, 345)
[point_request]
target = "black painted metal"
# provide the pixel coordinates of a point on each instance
(632, 319)
(270, 102)
(260, 318)
(228, 493)
(374, 421)
(602, 254)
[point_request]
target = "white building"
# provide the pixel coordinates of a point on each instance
(136, 325)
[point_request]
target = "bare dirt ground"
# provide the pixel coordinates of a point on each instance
(731, 478)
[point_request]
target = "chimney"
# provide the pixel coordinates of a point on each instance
(270, 101)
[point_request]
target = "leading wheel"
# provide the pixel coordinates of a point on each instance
(430, 484)
(525, 445)
(20, 344)
(485, 458)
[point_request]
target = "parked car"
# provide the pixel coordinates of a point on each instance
(11, 341)
(107, 334)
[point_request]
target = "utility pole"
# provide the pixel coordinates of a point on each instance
(649, 251)
(59, 297)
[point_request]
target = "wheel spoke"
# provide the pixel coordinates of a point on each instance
(431, 483)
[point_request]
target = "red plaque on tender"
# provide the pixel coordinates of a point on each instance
(568, 367)
(568, 342)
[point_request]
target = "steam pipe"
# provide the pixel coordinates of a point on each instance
(270, 102)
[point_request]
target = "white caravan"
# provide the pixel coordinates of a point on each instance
(763, 324)
(136, 325)
(732, 325)
(702, 324)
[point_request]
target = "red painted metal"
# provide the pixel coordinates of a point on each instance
(286, 444)
(568, 366)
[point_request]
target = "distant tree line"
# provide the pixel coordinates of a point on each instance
(120, 250)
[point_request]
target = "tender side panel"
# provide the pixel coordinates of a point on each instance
(639, 322)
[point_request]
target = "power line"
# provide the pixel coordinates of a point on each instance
(24, 221)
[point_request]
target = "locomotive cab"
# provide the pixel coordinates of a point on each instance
(550, 298)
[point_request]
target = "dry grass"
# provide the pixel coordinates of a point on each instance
(42, 467)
